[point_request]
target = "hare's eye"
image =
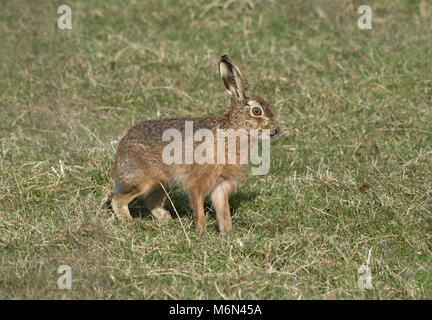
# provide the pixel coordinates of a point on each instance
(257, 111)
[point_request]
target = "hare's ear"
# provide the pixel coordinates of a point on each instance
(233, 79)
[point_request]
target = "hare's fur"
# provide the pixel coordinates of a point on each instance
(140, 171)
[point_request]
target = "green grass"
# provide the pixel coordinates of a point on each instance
(355, 106)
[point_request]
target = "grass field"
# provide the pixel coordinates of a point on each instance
(351, 172)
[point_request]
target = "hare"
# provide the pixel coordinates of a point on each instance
(139, 169)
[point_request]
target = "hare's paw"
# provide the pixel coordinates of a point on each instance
(121, 209)
(119, 204)
(160, 214)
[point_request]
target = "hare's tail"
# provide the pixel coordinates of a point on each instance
(117, 189)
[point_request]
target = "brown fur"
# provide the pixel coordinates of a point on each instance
(138, 167)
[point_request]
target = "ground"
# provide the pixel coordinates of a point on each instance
(350, 177)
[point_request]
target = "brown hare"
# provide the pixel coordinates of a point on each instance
(140, 170)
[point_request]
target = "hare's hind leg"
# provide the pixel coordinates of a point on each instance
(120, 203)
(155, 201)
(122, 198)
(219, 197)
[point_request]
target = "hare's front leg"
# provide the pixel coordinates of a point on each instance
(197, 203)
(219, 196)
